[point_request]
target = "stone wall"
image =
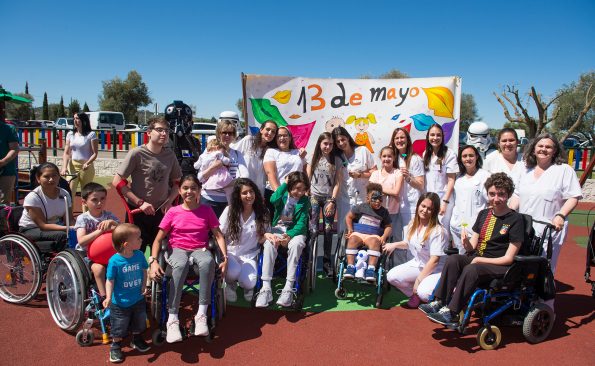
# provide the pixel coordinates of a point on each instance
(103, 167)
(589, 191)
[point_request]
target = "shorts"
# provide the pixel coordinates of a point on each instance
(364, 237)
(131, 319)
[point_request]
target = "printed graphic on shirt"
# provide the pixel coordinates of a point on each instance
(370, 221)
(486, 233)
(286, 217)
(504, 229)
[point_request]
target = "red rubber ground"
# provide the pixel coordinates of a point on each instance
(28, 334)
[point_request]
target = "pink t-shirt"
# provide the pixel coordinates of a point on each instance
(189, 229)
(387, 182)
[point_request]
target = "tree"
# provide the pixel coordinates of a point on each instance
(240, 106)
(61, 109)
(54, 111)
(391, 74)
(74, 107)
(575, 107)
(86, 108)
(468, 111)
(125, 96)
(21, 112)
(46, 110)
(520, 106)
(26, 87)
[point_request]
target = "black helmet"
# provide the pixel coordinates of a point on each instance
(179, 116)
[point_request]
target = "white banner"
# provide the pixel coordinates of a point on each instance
(370, 109)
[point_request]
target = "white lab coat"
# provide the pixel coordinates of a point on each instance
(437, 180)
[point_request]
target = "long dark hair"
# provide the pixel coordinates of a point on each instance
(261, 214)
(318, 151)
(257, 139)
(291, 142)
(85, 123)
(408, 149)
(429, 149)
(478, 160)
(559, 153)
(341, 131)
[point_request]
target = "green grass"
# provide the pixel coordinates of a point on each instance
(581, 240)
(582, 218)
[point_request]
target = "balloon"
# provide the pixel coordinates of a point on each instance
(101, 249)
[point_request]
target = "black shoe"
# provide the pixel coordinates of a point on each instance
(115, 355)
(139, 344)
(327, 268)
(445, 317)
(431, 307)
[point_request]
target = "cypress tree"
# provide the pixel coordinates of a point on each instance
(45, 114)
(61, 109)
(86, 108)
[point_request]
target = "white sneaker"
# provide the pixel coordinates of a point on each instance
(248, 295)
(286, 298)
(264, 297)
(200, 325)
(173, 333)
(230, 293)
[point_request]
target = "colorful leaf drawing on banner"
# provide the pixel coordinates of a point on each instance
(282, 96)
(396, 117)
(301, 133)
(419, 146)
(422, 122)
(295, 116)
(448, 128)
(263, 111)
(441, 101)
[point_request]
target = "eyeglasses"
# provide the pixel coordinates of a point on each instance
(161, 130)
(228, 133)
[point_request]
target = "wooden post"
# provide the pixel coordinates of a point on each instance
(43, 151)
(246, 128)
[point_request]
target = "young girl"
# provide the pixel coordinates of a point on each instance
(188, 226)
(324, 189)
(44, 217)
(391, 181)
(291, 219)
(220, 177)
(441, 167)
(358, 164)
(426, 240)
(470, 195)
(244, 223)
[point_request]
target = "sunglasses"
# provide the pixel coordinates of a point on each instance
(228, 133)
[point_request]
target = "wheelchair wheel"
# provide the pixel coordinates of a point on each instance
(538, 323)
(489, 340)
(66, 288)
(156, 301)
(340, 293)
(20, 269)
(339, 255)
(85, 340)
(158, 337)
(313, 262)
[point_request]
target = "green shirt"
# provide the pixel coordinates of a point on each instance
(8, 134)
(300, 213)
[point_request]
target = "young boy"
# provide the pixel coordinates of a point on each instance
(155, 174)
(91, 224)
(126, 278)
(372, 228)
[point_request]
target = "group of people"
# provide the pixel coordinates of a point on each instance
(264, 191)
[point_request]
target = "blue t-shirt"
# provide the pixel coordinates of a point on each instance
(127, 274)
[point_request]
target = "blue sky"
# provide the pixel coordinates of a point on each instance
(195, 51)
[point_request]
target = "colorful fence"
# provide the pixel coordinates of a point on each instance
(579, 158)
(109, 140)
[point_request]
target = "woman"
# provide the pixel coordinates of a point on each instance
(226, 133)
(357, 164)
(441, 168)
(548, 191)
(244, 224)
(497, 236)
(470, 195)
(506, 159)
(44, 217)
(80, 152)
(280, 160)
(426, 240)
(412, 168)
(253, 147)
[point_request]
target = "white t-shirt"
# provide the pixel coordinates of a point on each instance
(422, 251)
(495, 163)
(543, 197)
(247, 246)
(388, 182)
(410, 195)
(286, 161)
(81, 145)
(361, 161)
(436, 179)
(470, 197)
(52, 209)
(253, 161)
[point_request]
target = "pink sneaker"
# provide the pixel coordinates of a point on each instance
(413, 302)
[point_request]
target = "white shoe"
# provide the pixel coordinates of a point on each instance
(173, 333)
(248, 295)
(286, 298)
(264, 297)
(230, 293)
(200, 325)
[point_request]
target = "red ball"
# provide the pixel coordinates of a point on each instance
(101, 249)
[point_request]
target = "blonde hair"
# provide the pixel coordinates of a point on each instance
(214, 144)
(121, 234)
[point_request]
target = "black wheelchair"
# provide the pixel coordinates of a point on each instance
(160, 290)
(590, 260)
(515, 298)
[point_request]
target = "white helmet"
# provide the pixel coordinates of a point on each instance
(478, 128)
(478, 135)
(229, 115)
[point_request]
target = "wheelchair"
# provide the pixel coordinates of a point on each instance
(514, 299)
(313, 246)
(305, 272)
(381, 286)
(160, 291)
(590, 260)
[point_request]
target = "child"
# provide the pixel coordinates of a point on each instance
(426, 240)
(91, 224)
(371, 220)
(324, 189)
(291, 216)
(220, 178)
(125, 290)
(188, 226)
(391, 181)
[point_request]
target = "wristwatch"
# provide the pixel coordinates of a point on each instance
(151, 259)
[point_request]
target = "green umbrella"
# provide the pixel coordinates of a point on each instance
(9, 97)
